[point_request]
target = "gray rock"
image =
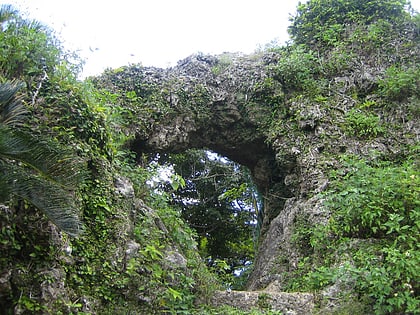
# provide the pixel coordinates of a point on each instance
(53, 286)
(5, 285)
(124, 187)
(131, 250)
(287, 303)
(175, 259)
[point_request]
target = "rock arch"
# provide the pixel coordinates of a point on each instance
(228, 128)
(217, 103)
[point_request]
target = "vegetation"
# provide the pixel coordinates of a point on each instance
(370, 242)
(72, 116)
(375, 218)
(34, 170)
(218, 200)
(324, 22)
(343, 94)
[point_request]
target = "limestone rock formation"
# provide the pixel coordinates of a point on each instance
(287, 303)
(227, 104)
(328, 126)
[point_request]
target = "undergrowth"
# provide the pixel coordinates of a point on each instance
(371, 242)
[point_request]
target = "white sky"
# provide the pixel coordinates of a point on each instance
(160, 32)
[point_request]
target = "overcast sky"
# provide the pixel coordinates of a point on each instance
(160, 32)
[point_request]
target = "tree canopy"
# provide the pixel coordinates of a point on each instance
(219, 201)
(319, 22)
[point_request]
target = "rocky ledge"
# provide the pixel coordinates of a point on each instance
(287, 303)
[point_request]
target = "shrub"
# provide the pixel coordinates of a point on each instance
(371, 241)
(375, 201)
(297, 68)
(362, 125)
(321, 21)
(399, 84)
(381, 202)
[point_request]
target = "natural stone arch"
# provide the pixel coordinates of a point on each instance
(230, 128)
(216, 103)
(212, 102)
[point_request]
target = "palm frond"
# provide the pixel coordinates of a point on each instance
(7, 12)
(57, 203)
(11, 109)
(37, 171)
(9, 15)
(42, 157)
(5, 188)
(34, 25)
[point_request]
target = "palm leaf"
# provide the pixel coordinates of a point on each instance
(57, 203)
(37, 171)
(7, 12)
(11, 109)
(43, 157)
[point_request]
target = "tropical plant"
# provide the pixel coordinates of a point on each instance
(217, 199)
(29, 44)
(323, 22)
(375, 216)
(36, 170)
(297, 69)
(399, 84)
(362, 124)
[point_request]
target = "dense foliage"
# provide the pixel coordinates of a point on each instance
(375, 217)
(369, 246)
(325, 22)
(68, 120)
(218, 200)
(348, 82)
(36, 170)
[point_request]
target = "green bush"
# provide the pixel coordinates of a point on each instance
(381, 202)
(28, 48)
(399, 84)
(376, 201)
(297, 68)
(321, 22)
(371, 241)
(362, 124)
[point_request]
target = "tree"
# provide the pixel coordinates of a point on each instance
(36, 170)
(322, 22)
(218, 201)
(29, 44)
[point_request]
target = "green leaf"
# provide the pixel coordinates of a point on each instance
(174, 294)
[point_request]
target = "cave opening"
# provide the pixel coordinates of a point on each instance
(219, 200)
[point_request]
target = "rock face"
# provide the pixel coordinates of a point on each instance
(210, 102)
(207, 105)
(220, 103)
(277, 255)
(287, 303)
(226, 104)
